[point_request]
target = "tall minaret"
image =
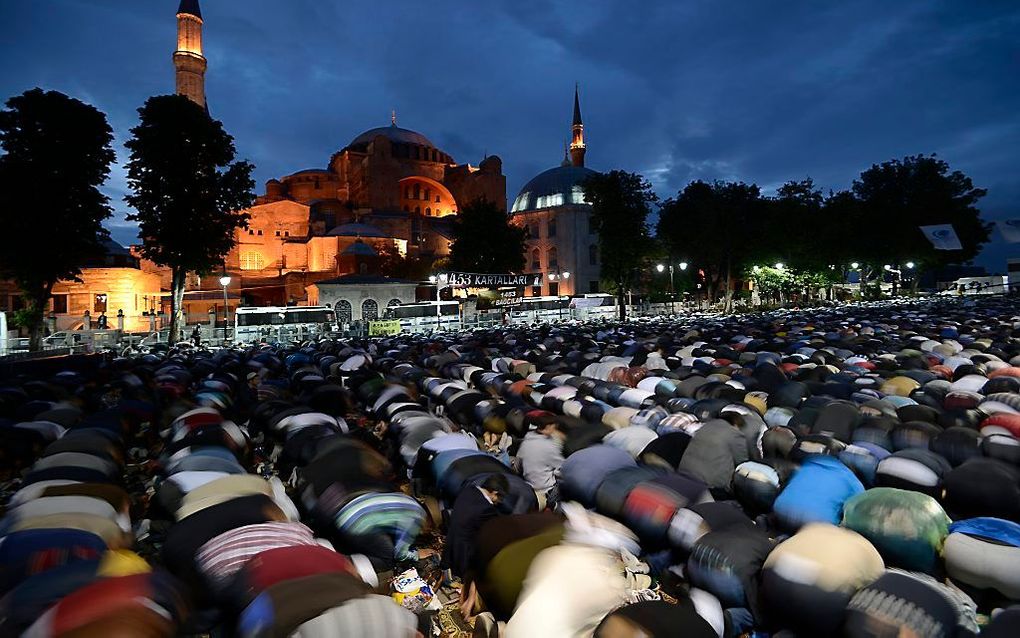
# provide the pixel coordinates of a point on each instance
(577, 145)
(188, 58)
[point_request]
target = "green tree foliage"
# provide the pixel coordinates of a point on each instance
(57, 153)
(485, 240)
(898, 196)
(621, 203)
(720, 227)
(186, 189)
(410, 267)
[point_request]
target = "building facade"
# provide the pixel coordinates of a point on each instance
(561, 241)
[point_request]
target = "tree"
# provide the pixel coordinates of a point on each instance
(57, 154)
(721, 228)
(187, 191)
(898, 196)
(620, 203)
(485, 241)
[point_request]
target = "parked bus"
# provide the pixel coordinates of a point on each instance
(422, 316)
(541, 309)
(281, 323)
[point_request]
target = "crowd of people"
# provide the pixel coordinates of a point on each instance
(846, 471)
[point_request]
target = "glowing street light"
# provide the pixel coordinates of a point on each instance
(855, 265)
(225, 281)
(660, 267)
(910, 264)
(780, 266)
(683, 265)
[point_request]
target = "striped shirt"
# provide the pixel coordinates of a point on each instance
(222, 556)
(393, 513)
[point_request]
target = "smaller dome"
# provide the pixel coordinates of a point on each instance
(356, 229)
(560, 186)
(360, 249)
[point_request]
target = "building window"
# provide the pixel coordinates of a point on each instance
(428, 211)
(551, 229)
(251, 232)
(577, 195)
(277, 233)
(100, 303)
(417, 191)
(553, 258)
(369, 310)
(286, 233)
(536, 263)
(259, 233)
(593, 287)
(428, 194)
(554, 288)
(534, 231)
(437, 199)
(60, 304)
(252, 260)
(407, 192)
(343, 311)
(593, 255)
(392, 302)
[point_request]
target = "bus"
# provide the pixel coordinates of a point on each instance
(280, 323)
(541, 309)
(423, 317)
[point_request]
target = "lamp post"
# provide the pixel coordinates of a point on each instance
(225, 281)
(440, 282)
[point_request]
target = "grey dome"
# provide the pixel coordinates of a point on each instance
(355, 229)
(395, 134)
(558, 186)
(360, 248)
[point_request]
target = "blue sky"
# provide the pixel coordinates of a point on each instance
(676, 90)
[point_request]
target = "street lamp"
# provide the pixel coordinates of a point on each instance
(683, 265)
(910, 264)
(660, 267)
(225, 281)
(440, 281)
(780, 265)
(855, 265)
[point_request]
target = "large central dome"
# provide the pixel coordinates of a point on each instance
(395, 134)
(558, 186)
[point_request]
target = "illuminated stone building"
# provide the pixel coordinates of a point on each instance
(561, 242)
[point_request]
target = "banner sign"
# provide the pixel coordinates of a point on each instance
(383, 328)
(500, 298)
(942, 237)
(488, 280)
(1010, 229)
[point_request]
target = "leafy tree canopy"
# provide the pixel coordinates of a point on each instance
(57, 153)
(485, 241)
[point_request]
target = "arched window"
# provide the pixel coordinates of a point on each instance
(392, 302)
(553, 258)
(428, 211)
(252, 260)
(362, 268)
(343, 311)
(369, 310)
(536, 259)
(417, 209)
(428, 194)
(593, 255)
(417, 191)
(437, 199)
(407, 192)
(551, 229)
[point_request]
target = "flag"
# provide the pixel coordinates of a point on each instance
(1010, 229)
(942, 237)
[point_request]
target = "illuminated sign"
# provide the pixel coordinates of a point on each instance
(488, 280)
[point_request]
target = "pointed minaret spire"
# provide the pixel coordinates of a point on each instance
(393, 117)
(577, 129)
(189, 62)
(566, 154)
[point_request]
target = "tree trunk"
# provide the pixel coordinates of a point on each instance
(728, 305)
(177, 319)
(36, 315)
(621, 299)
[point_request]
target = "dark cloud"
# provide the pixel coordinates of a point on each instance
(762, 92)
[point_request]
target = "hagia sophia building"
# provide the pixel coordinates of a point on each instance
(388, 191)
